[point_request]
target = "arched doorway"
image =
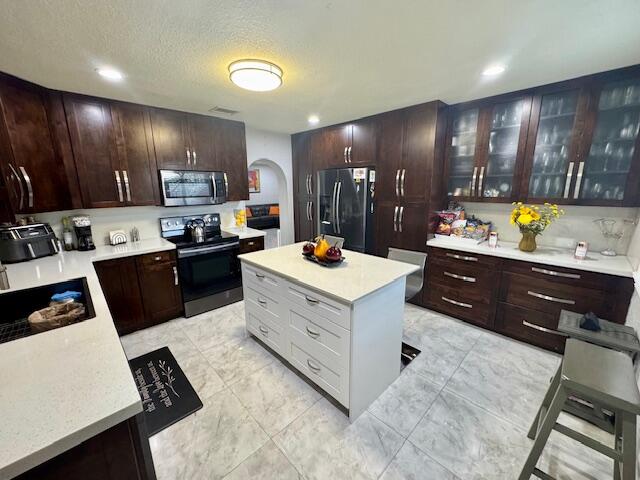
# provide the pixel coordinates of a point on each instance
(273, 189)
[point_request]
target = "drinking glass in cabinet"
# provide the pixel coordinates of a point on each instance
(461, 154)
(551, 172)
(613, 143)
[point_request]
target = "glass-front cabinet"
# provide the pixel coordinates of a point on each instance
(461, 158)
(608, 172)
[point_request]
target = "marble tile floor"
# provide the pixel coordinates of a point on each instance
(460, 411)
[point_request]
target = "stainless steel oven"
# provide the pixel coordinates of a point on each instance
(190, 187)
(210, 276)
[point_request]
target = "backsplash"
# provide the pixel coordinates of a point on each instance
(575, 225)
(144, 218)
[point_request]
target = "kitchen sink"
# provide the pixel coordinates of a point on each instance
(16, 306)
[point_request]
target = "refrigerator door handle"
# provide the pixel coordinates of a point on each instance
(338, 207)
(395, 219)
(333, 206)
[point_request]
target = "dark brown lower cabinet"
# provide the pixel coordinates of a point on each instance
(119, 453)
(141, 291)
(520, 299)
(248, 245)
(304, 219)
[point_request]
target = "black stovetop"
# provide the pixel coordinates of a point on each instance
(184, 241)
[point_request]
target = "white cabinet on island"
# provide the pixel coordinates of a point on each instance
(339, 326)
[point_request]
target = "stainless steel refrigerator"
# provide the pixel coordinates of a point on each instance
(345, 206)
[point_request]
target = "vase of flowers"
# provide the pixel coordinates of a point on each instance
(532, 220)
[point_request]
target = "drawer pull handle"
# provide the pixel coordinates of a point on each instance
(251, 244)
(543, 329)
(551, 299)
(459, 304)
(554, 273)
(462, 257)
(311, 300)
(259, 275)
(313, 333)
(158, 258)
(262, 302)
(460, 277)
(313, 366)
(264, 330)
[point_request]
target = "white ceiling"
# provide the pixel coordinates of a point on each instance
(342, 59)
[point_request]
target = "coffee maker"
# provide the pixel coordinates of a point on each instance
(82, 227)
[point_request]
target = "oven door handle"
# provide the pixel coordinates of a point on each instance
(190, 252)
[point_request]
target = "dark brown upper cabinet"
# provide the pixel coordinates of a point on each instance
(171, 139)
(113, 152)
(231, 157)
(35, 155)
(486, 146)
(352, 144)
(303, 172)
(204, 138)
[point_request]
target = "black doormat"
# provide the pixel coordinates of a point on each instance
(407, 355)
(167, 396)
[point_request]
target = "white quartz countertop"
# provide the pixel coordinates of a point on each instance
(554, 256)
(62, 387)
(244, 232)
(358, 276)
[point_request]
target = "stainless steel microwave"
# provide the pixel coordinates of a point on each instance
(191, 187)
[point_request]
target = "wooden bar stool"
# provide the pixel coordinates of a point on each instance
(604, 377)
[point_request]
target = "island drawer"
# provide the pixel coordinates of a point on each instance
(336, 312)
(320, 337)
(454, 302)
(457, 257)
(266, 327)
(262, 279)
(264, 299)
(531, 326)
(331, 380)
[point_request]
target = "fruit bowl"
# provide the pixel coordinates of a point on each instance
(322, 253)
(324, 263)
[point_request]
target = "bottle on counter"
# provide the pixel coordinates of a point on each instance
(581, 250)
(67, 234)
(493, 240)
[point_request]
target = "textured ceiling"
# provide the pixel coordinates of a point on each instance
(342, 59)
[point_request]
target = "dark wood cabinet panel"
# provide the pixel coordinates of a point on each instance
(364, 136)
(531, 326)
(119, 281)
(390, 142)
(159, 287)
(34, 163)
(137, 158)
(94, 148)
(401, 226)
(254, 244)
(231, 152)
(203, 143)
(305, 215)
(170, 139)
(304, 174)
(329, 147)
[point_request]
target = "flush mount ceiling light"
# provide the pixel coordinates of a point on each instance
(493, 70)
(255, 75)
(313, 119)
(110, 74)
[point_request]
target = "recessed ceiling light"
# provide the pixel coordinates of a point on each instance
(493, 70)
(255, 75)
(313, 119)
(110, 74)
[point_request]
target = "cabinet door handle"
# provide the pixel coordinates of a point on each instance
(262, 302)
(480, 181)
(345, 155)
(195, 157)
(400, 219)
(461, 257)
(554, 273)
(567, 183)
(398, 183)
(265, 331)
(395, 219)
(259, 275)
(15, 173)
(312, 333)
(576, 192)
(27, 180)
(226, 184)
(459, 304)
(313, 366)
(310, 184)
(119, 185)
(188, 157)
(460, 277)
(543, 329)
(251, 244)
(551, 299)
(473, 181)
(311, 300)
(349, 154)
(402, 182)
(175, 276)
(125, 176)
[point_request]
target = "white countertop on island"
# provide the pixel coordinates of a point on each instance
(62, 387)
(358, 276)
(554, 256)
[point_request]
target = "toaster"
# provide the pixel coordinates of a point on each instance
(21, 243)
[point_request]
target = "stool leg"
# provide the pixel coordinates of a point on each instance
(548, 423)
(545, 403)
(617, 439)
(628, 446)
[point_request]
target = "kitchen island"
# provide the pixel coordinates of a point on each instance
(339, 326)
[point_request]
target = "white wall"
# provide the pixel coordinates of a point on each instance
(577, 224)
(276, 147)
(269, 192)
